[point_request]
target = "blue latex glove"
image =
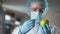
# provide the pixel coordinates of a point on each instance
(46, 29)
(27, 26)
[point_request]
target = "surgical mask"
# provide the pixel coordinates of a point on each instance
(35, 15)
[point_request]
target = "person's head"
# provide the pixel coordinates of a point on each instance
(40, 7)
(36, 6)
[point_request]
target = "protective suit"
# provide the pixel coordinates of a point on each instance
(34, 24)
(54, 30)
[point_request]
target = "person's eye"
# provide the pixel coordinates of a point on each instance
(34, 9)
(41, 11)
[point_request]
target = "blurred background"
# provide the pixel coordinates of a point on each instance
(13, 13)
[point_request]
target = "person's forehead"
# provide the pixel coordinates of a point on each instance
(36, 6)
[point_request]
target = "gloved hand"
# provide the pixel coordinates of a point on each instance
(27, 26)
(45, 27)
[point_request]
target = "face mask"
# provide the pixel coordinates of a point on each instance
(35, 15)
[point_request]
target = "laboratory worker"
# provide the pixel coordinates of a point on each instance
(36, 9)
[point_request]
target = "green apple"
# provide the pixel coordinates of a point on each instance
(44, 22)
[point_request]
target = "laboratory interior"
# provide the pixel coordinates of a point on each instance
(13, 14)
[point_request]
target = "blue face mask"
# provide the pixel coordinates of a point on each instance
(35, 15)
